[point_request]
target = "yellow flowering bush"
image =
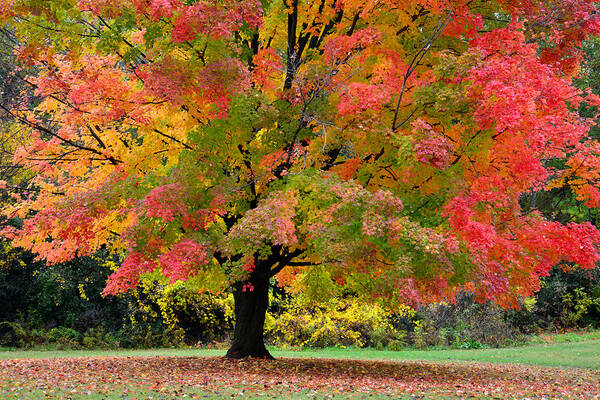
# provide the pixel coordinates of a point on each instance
(341, 323)
(182, 313)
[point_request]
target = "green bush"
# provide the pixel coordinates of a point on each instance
(41, 296)
(465, 321)
(470, 344)
(90, 342)
(12, 334)
(569, 299)
(397, 345)
(63, 335)
(426, 334)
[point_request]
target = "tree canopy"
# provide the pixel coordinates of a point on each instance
(385, 147)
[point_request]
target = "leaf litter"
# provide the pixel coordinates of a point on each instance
(202, 377)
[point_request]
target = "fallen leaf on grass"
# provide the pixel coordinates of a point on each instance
(169, 375)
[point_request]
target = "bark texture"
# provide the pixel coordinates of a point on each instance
(251, 301)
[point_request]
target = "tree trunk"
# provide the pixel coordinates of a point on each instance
(251, 301)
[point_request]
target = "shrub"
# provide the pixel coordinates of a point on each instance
(172, 315)
(470, 344)
(64, 335)
(396, 345)
(41, 296)
(90, 342)
(426, 334)
(465, 321)
(197, 317)
(347, 322)
(12, 334)
(569, 299)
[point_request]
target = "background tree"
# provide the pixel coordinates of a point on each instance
(62, 295)
(382, 147)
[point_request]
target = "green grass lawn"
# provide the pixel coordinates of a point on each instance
(577, 354)
(574, 355)
(124, 393)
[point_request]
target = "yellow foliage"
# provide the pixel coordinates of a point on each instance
(210, 314)
(347, 322)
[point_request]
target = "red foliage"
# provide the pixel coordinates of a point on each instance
(128, 275)
(184, 259)
(186, 130)
(165, 202)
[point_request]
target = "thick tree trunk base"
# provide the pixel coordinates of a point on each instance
(251, 301)
(237, 352)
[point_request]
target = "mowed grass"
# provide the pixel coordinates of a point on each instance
(573, 354)
(123, 393)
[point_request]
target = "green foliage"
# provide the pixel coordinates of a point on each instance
(464, 324)
(11, 334)
(568, 299)
(61, 306)
(581, 304)
(61, 333)
(426, 334)
(65, 294)
(471, 344)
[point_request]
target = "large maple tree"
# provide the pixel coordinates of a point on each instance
(385, 147)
